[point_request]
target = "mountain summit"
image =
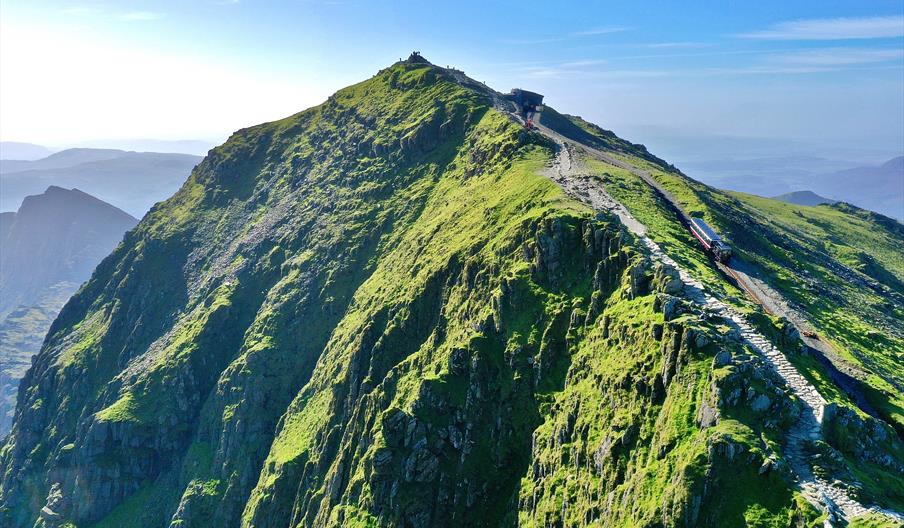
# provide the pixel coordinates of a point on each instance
(404, 307)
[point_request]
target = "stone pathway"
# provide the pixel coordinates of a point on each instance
(569, 173)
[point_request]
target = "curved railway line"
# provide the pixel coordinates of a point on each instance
(578, 183)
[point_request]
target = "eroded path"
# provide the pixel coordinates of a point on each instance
(569, 172)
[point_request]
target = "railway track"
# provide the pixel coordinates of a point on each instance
(578, 183)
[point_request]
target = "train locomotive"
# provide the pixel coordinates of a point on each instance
(711, 241)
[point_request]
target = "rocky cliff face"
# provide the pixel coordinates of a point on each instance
(47, 250)
(379, 312)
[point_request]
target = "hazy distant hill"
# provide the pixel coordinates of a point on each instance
(879, 189)
(6, 221)
(47, 250)
(56, 236)
(179, 146)
(59, 160)
(809, 198)
(133, 181)
(14, 150)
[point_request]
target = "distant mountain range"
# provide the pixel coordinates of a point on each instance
(47, 250)
(879, 188)
(808, 198)
(59, 160)
(14, 150)
(179, 146)
(134, 181)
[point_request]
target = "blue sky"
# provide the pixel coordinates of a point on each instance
(826, 75)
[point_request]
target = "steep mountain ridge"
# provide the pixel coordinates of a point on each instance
(577, 179)
(381, 311)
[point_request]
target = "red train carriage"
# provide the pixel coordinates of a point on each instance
(710, 240)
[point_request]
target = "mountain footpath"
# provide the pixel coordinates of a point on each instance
(402, 308)
(577, 181)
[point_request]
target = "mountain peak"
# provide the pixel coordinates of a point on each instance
(60, 202)
(807, 198)
(895, 164)
(416, 57)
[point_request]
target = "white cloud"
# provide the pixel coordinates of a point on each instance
(839, 56)
(140, 16)
(833, 29)
(583, 63)
(599, 31)
(551, 39)
(760, 70)
(671, 45)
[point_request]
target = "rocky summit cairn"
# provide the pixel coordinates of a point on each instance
(417, 58)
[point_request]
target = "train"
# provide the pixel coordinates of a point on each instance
(529, 104)
(711, 241)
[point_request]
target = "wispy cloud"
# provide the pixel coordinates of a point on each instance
(528, 42)
(583, 63)
(681, 55)
(561, 38)
(140, 16)
(839, 56)
(760, 70)
(832, 29)
(673, 45)
(599, 31)
(583, 70)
